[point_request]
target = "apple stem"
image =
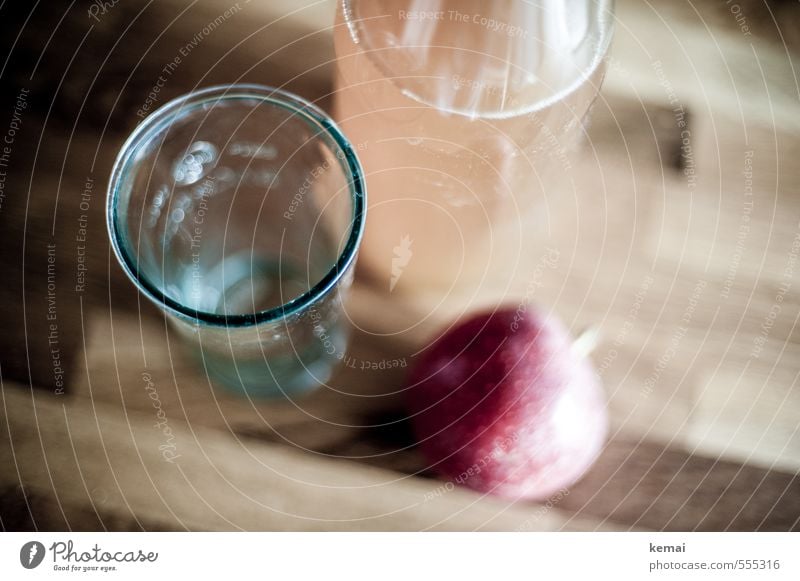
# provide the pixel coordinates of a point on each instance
(586, 342)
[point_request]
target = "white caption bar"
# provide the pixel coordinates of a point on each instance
(371, 556)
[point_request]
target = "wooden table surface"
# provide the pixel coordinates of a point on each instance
(679, 244)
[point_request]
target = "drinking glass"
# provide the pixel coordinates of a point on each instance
(239, 210)
(467, 112)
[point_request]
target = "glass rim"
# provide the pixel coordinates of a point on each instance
(163, 117)
(607, 7)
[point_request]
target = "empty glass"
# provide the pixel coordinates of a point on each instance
(239, 210)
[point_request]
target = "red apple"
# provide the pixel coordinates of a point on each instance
(504, 403)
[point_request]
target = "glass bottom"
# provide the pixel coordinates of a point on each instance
(242, 283)
(274, 376)
(293, 359)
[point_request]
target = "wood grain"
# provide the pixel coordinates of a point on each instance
(702, 381)
(69, 455)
